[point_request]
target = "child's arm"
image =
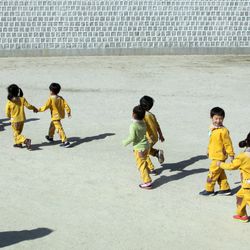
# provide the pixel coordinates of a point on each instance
(29, 106)
(161, 137)
(46, 106)
(131, 136)
(235, 164)
(227, 142)
(7, 110)
(67, 108)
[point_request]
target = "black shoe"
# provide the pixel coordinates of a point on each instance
(50, 139)
(17, 145)
(65, 144)
(207, 193)
(225, 192)
(153, 172)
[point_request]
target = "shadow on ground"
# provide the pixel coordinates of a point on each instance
(14, 237)
(75, 141)
(178, 166)
(6, 122)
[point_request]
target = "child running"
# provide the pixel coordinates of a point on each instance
(242, 162)
(57, 106)
(219, 148)
(137, 136)
(153, 131)
(15, 111)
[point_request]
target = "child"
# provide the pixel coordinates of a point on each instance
(140, 144)
(57, 106)
(153, 131)
(15, 111)
(219, 148)
(242, 162)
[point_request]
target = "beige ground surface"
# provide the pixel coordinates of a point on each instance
(87, 196)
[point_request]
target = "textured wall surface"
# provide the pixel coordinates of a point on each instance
(123, 26)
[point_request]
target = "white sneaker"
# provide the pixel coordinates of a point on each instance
(160, 156)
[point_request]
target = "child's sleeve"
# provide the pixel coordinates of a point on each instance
(7, 110)
(227, 142)
(235, 164)
(46, 106)
(28, 106)
(131, 136)
(67, 108)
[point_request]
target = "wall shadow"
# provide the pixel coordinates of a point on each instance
(178, 166)
(14, 237)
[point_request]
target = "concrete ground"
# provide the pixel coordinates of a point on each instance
(87, 196)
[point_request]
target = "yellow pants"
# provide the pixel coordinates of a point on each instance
(242, 200)
(142, 162)
(17, 128)
(216, 174)
(152, 152)
(57, 125)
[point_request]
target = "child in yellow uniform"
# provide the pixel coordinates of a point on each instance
(15, 111)
(57, 106)
(219, 148)
(137, 136)
(154, 132)
(242, 162)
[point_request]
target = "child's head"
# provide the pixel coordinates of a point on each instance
(217, 115)
(245, 143)
(14, 91)
(138, 113)
(146, 102)
(54, 88)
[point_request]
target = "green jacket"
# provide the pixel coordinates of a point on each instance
(137, 136)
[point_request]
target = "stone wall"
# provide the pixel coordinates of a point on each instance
(73, 27)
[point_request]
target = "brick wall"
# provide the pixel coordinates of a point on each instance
(50, 27)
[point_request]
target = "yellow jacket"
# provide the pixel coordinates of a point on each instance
(242, 162)
(15, 109)
(152, 127)
(57, 106)
(220, 144)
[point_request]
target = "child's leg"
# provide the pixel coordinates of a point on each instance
(51, 130)
(222, 181)
(141, 161)
(213, 176)
(17, 128)
(59, 128)
(241, 203)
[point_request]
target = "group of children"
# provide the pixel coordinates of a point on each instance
(145, 131)
(15, 111)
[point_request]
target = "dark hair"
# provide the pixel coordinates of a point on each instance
(14, 91)
(55, 88)
(146, 102)
(245, 143)
(217, 111)
(139, 112)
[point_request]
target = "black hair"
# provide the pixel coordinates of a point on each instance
(217, 111)
(55, 88)
(146, 102)
(14, 91)
(245, 143)
(139, 112)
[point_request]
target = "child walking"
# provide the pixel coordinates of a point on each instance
(57, 106)
(242, 162)
(15, 111)
(137, 136)
(219, 148)
(154, 132)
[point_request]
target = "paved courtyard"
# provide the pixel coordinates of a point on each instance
(86, 197)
